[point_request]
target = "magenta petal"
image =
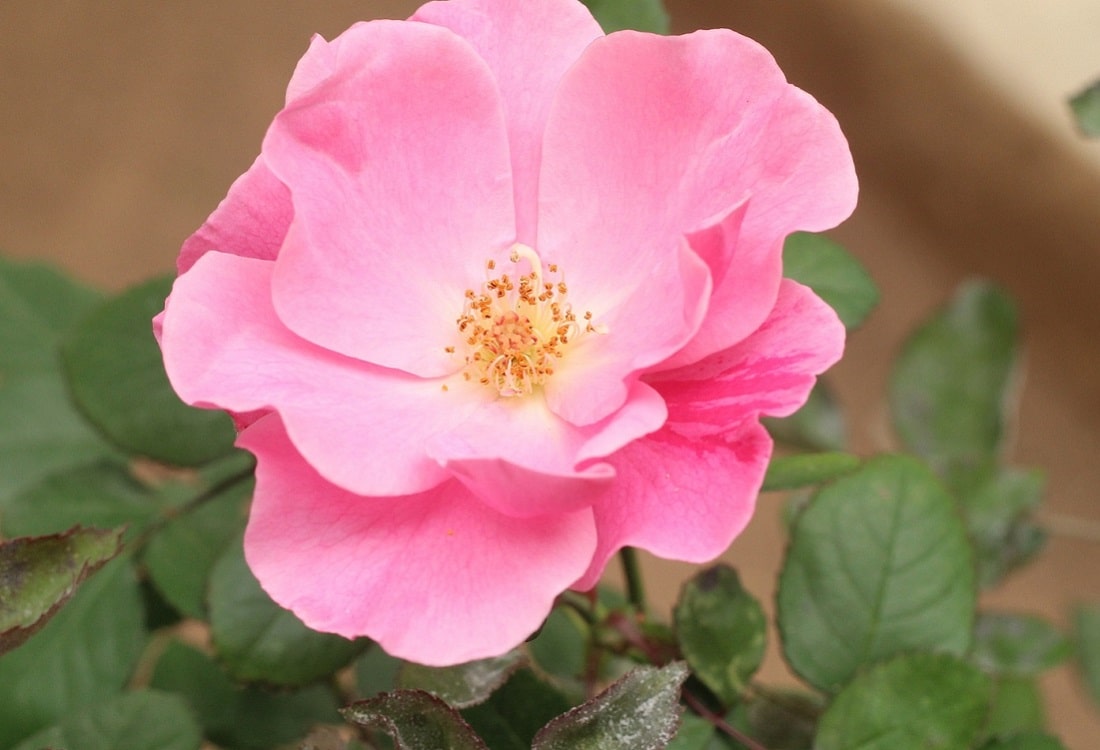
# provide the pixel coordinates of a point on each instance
(680, 499)
(251, 221)
(362, 427)
(528, 45)
(399, 172)
(437, 578)
(769, 373)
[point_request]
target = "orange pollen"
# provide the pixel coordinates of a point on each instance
(516, 326)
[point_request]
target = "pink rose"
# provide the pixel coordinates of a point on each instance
(499, 296)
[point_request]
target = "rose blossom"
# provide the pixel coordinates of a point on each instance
(499, 296)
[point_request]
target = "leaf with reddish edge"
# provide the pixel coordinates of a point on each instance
(415, 720)
(38, 575)
(641, 711)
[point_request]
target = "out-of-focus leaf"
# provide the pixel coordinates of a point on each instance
(84, 655)
(721, 630)
(1086, 623)
(950, 388)
(833, 274)
(38, 575)
(259, 641)
(559, 648)
(116, 376)
(641, 711)
(1086, 109)
(513, 715)
(641, 15)
(1025, 741)
(807, 469)
(779, 720)
(241, 718)
(998, 519)
(376, 672)
(1017, 706)
(695, 734)
(817, 426)
(913, 702)
(1015, 644)
(878, 564)
(416, 721)
(463, 685)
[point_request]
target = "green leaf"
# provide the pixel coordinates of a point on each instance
(181, 556)
(463, 685)
(416, 720)
(84, 655)
(40, 430)
(833, 274)
(38, 575)
(141, 720)
(914, 702)
(695, 734)
(1015, 644)
(116, 376)
(641, 711)
(1025, 741)
(513, 715)
(376, 672)
(817, 426)
(1086, 623)
(878, 564)
(1017, 706)
(780, 719)
(259, 641)
(1086, 108)
(998, 519)
(561, 645)
(807, 469)
(950, 388)
(240, 718)
(641, 15)
(721, 630)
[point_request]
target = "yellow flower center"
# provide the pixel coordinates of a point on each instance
(517, 326)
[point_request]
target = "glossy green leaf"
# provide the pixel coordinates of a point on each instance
(1016, 706)
(463, 685)
(950, 388)
(914, 702)
(641, 711)
(116, 376)
(721, 631)
(998, 519)
(259, 641)
(1017, 644)
(817, 426)
(1025, 741)
(182, 554)
(833, 273)
(240, 718)
(141, 720)
(1086, 622)
(85, 654)
(39, 575)
(40, 430)
(1086, 108)
(513, 715)
(641, 15)
(416, 721)
(807, 469)
(878, 564)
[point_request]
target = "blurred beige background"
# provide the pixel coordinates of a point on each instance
(123, 124)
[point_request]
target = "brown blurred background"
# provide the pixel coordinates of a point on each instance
(123, 124)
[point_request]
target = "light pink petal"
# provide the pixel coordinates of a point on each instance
(643, 324)
(771, 372)
(680, 499)
(437, 578)
(251, 221)
(399, 171)
(361, 426)
(528, 45)
(523, 460)
(653, 138)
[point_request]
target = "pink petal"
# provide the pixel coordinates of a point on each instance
(771, 372)
(680, 499)
(399, 171)
(523, 460)
(251, 221)
(437, 578)
(528, 45)
(362, 427)
(654, 138)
